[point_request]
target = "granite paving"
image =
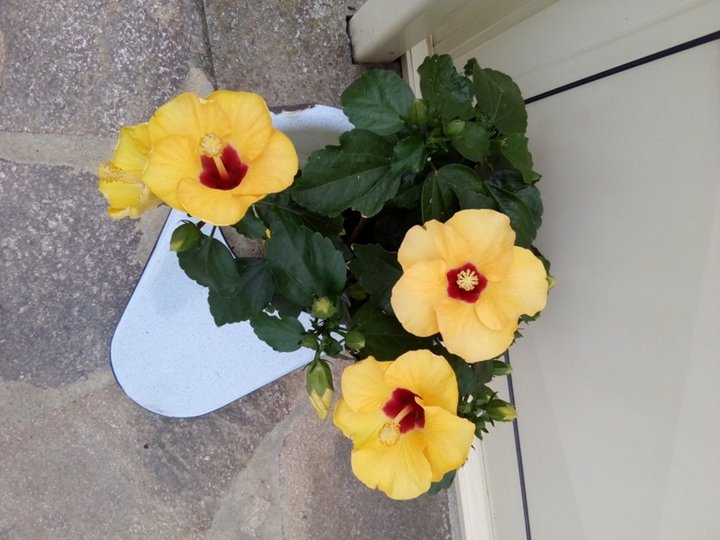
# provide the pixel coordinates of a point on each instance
(78, 458)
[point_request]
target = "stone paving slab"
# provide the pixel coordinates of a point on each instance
(87, 66)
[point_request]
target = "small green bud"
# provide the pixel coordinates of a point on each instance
(418, 113)
(552, 281)
(354, 340)
(500, 410)
(356, 292)
(454, 129)
(319, 385)
(500, 368)
(184, 237)
(323, 308)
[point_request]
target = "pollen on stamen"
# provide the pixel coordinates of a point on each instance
(467, 280)
(110, 172)
(389, 434)
(211, 145)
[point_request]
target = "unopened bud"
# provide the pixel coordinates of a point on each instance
(418, 113)
(454, 128)
(319, 385)
(501, 411)
(354, 340)
(323, 308)
(184, 237)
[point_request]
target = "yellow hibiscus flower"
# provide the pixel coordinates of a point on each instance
(401, 417)
(466, 279)
(120, 179)
(214, 157)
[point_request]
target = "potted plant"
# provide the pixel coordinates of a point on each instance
(407, 246)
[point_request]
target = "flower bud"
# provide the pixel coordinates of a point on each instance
(354, 340)
(356, 292)
(418, 113)
(323, 308)
(454, 129)
(501, 411)
(184, 237)
(319, 385)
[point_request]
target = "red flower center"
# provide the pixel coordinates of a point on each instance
(224, 171)
(403, 409)
(465, 283)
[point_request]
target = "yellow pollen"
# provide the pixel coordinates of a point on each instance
(211, 145)
(467, 280)
(389, 434)
(110, 172)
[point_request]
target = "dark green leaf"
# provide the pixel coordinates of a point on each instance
(444, 88)
(251, 226)
(305, 264)
(498, 97)
(210, 264)
(377, 100)
(377, 271)
(354, 175)
(409, 155)
(253, 291)
(283, 203)
(409, 193)
(523, 207)
(385, 338)
(282, 334)
(470, 377)
(438, 199)
(515, 150)
(473, 143)
(445, 483)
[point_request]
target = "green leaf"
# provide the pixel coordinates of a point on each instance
(283, 203)
(305, 264)
(253, 290)
(498, 97)
(377, 100)
(444, 88)
(521, 204)
(211, 264)
(438, 199)
(473, 143)
(515, 150)
(445, 483)
(471, 377)
(385, 338)
(452, 187)
(409, 155)
(283, 334)
(251, 226)
(377, 271)
(354, 175)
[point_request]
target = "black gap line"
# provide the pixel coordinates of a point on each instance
(624, 67)
(518, 452)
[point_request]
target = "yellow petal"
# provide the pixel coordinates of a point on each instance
(321, 404)
(490, 239)
(415, 295)
(363, 385)
(432, 241)
(216, 206)
(427, 375)
(447, 440)
(523, 291)
(360, 427)
(401, 471)
(273, 170)
(249, 120)
(171, 160)
(188, 115)
(132, 149)
(120, 194)
(463, 333)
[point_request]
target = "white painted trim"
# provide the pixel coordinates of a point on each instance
(473, 496)
(411, 61)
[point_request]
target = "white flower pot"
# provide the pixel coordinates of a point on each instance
(167, 354)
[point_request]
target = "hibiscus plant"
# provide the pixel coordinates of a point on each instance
(408, 247)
